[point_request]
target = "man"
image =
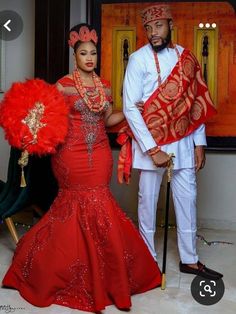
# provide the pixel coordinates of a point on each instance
(168, 80)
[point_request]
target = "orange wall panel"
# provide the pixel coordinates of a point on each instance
(185, 16)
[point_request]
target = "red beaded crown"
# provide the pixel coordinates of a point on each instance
(156, 12)
(84, 35)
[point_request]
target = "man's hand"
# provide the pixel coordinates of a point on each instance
(200, 158)
(161, 159)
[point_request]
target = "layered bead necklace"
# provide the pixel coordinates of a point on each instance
(180, 86)
(94, 105)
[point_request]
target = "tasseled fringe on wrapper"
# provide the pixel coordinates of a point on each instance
(22, 162)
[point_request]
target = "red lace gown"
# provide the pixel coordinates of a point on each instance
(84, 253)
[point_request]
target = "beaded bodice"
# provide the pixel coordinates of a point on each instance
(85, 126)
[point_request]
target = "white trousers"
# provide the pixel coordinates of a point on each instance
(184, 191)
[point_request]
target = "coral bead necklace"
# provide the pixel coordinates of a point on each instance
(94, 105)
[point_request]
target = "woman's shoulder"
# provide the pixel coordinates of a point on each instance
(107, 88)
(105, 83)
(65, 81)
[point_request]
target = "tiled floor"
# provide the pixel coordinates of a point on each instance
(176, 298)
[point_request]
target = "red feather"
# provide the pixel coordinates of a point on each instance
(17, 105)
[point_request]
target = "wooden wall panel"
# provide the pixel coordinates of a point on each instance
(52, 22)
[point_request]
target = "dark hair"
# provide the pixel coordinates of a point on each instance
(76, 28)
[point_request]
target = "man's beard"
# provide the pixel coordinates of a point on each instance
(165, 42)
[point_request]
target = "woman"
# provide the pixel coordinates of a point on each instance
(84, 253)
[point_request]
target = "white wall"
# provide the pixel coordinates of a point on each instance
(19, 60)
(217, 192)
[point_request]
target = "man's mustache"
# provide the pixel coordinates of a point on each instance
(164, 40)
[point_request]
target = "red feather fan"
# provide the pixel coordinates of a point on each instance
(34, 116)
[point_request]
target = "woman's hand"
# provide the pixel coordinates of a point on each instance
(113, 118)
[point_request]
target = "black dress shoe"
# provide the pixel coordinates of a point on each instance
(202, 271)
(211, 271)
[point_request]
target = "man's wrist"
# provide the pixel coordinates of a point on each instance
(153, 151)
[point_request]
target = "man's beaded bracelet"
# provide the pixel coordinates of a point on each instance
(153, 151)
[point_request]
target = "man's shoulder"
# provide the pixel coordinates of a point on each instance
(141, 52)
(187, 52)
(180, 48)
